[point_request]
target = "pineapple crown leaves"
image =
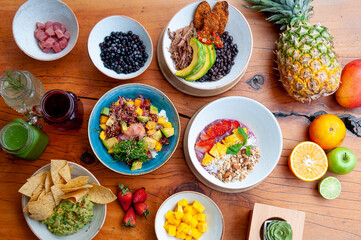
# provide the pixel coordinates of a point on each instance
(284, 12)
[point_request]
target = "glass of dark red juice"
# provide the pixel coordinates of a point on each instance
(62, 109)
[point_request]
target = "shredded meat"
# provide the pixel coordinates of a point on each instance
(181, 51)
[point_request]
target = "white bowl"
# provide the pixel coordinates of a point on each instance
(117, 24)
(214, 218)
(89, 231)
(258, 119)
(237, 27)
(32, 11)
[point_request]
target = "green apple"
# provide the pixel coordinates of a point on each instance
(341, 160)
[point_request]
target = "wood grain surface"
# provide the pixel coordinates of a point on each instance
(338, 219)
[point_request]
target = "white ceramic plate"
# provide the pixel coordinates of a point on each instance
(214, 218)
(237, 27)
(32, 11)
(89, 231)
(117, 24)
(256, 117)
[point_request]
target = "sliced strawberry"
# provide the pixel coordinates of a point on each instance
(205, 137)
(213, 131)
(234, 125)
(205, 145)
(226, 124)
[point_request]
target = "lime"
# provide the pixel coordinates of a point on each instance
(329, 187)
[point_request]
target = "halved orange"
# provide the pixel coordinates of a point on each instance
(308, 161)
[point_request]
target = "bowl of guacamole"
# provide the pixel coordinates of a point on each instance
(80, 220)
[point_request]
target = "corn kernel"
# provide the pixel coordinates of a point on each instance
(139, 111)
(103, 126)
(183, 202)
(167, 125)
(201, 217)
(161, 120)
(150, 125)
(137, 102)
(200, 208)
(202, 227)
(158, 146)
(102, 135)
(172, 230)
(103, 119)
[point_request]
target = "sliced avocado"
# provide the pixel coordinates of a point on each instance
(110, 142)
(198, 59)
(136, 165)
(124, 126)
(167, 132)
(157, 135)
(149, 142)
(207, 65)
(143, 119)
(212, 51)
(105, 111)
(153, 110)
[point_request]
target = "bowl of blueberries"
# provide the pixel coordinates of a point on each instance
(120, 47)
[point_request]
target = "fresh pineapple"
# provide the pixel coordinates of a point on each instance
(306, 59)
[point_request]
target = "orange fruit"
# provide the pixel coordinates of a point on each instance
(308, 161)
(328, 131)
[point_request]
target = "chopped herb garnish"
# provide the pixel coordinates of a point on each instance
(234, 149)
(244, 134)
(15, 84)
(128, 151)
(248, 150)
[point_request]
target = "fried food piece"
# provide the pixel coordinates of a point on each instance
(201, 10)
(211, 22)
(221, 8)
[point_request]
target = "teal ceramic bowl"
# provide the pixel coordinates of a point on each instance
(158, 99)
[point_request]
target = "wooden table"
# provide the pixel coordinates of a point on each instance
(325, 219)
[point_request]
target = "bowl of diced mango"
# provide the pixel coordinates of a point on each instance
(189, 215)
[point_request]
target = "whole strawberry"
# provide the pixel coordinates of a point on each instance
(140, 196)
(129, 218)
(125, 197)
(141, 209)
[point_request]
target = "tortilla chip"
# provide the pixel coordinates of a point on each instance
(76, 182)
(100, 194)
(26, 208)
(71, 169)
(32, 183)
(48, 182)
(67, 190)
(76, 196)
(40, 209)
(65, 173)
(49, 197)
(39, 189)
(55, 167)
(57, 192)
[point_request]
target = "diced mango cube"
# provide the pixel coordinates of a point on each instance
(139, 111)
(180, 235)
(137, 102)
(207, 159)
(111, 150)
(166, 226)
(161, 120)
(167, 125)
(103, 126)
(187, 229)
(178, 209)
(169, 214)
(222, 149)
(231, 140)
(102, 135)
(178, 215)
(214, 151)
(103, 119)
(158, 146)
(201, 217)
(188, 237)
(200, 208)
(172, 230)
(239, 136)
(177, 222)
(183, 202)
(194, 222)
(195, 233)
(188, 209)
(151, 125)
(202, 227)
(182, 226)
(187, 217)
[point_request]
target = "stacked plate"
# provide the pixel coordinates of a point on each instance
(237, 27)
(250, 113)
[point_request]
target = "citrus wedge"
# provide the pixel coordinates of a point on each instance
(308, 161)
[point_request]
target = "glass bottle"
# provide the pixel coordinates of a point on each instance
(62, 109)
(23, 139)
(21, 91)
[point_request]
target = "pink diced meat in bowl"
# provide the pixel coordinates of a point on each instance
(52, 37)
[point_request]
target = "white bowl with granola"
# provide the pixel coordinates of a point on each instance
(232, 144)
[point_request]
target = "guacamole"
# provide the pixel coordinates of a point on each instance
(68, 217)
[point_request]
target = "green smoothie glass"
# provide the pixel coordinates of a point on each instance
(22, 139)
